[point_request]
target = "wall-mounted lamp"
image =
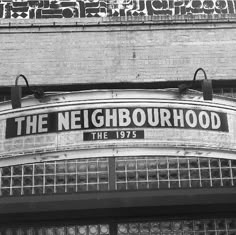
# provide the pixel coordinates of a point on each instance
(16, 92)
(206, 86)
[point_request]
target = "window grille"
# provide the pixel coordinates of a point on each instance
(55, 177)
(130, 173)
(174, 172)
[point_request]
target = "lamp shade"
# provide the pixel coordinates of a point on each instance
(207, 89)
(16, 94)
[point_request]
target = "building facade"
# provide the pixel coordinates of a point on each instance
(127, 137)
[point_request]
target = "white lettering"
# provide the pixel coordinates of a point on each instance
(153, 116)
(63, 121)
(31, 124)
(75, 118)
(215, 121)
(124, 117)
(105, 135)
(165, 117)
(111, 115)
(99, 135)
(98, 121)
(93, 134)
(139, 121)
(19, 121)
(42, 122)
(117, 118)
(86, 123)
(204, 119)
(178, 117)
(190, 114)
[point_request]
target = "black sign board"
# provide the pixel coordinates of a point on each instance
(118, 118)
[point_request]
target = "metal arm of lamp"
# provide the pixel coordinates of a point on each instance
(16, 92)
(206, 85)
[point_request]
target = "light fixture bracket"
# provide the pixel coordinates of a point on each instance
(16, 92)
(206, 86)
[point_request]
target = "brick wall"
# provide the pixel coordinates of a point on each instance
(118, 52)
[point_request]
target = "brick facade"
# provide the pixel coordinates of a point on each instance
(116, 51)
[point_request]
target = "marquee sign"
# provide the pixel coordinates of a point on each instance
(116, 118)
(108, 120)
